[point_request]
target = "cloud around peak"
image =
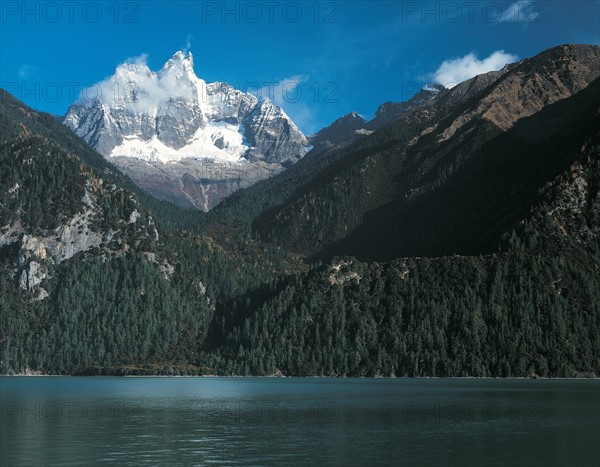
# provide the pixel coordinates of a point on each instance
(294, 97)
(454, 71)
(141, 59)
(136, 87)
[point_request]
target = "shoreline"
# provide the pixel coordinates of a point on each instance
(553, 378)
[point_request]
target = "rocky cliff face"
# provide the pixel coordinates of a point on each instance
(180, 138)
(39, 251)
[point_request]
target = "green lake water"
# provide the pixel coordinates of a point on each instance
(72, 421)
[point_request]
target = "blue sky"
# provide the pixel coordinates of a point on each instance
(339, 56)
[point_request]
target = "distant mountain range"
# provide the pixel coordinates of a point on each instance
(352, 126)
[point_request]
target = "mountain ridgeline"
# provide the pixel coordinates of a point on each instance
(456, 234)
(451, 182)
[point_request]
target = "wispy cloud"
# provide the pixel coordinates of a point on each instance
(27, 71)
(384, 64)
(522, 11)
(283, 91)
(141, 59)
(294, 97)
(454, 71)
(135, 86)
(188, 43)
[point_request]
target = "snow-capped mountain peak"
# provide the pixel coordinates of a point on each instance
(180, 65)
(172, 117)
(180, 58)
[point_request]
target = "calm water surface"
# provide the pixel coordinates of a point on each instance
(256, 421)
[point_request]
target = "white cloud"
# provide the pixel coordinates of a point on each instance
(293, 97)
(27, 71)
(141, 59)
(188, 44)
(286, 91)
(138, 88)
(452, 72)
(522, 11)
(385, 64)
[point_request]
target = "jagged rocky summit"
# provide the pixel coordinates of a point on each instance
(183, 139)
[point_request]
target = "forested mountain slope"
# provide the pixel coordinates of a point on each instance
(531, 309)
(99, 277)
(88, 277)
(452, 176)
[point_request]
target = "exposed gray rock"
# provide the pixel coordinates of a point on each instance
(199, 184)
(32, 276)
(341, 273)
(38, 252)
(273, 136)
(74, 238)
(177, 121)
(134, 216)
